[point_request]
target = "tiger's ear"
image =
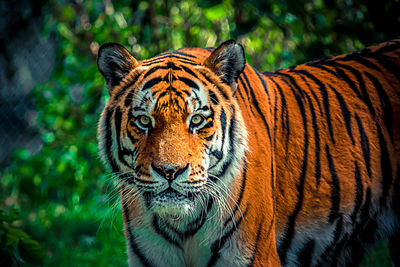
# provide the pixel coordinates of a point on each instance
(114, 63)
(227, 61)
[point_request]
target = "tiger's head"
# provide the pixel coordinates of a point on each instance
(172, 130)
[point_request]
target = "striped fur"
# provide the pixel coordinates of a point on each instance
(297, 167)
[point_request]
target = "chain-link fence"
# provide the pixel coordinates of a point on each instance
(26, 59)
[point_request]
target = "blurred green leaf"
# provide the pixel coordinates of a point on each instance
(17, 247)
(215, 13)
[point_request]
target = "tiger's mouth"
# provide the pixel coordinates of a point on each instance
(171, 203)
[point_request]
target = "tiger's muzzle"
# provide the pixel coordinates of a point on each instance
(170, 172)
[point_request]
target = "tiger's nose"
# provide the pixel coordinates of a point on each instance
(169, 172)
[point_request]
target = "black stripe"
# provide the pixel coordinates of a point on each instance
(118, 95)
(275, 123)
(121, 151)
(109, 139)
(266, 91)
(189, 83)
(246, 91)
(290, 226)
(153, 62)
(138, 109)
(337, 234)
(188, 70)
(284, 115)
(231, 144)
(359, 193)
(316, 140)
(386, 168)
(258, 237)
(208, 125)
(366, 207)
(364, 221)
(325, 98)
(189, 62)
(151, 83)
(305, 255)
(364, 145)
(388, 64)
(343, 76)
(169, 65)
(389, 46)
(262, 82)
(361, 85)
(132, 123)
(213, 97)
(256, 105)
(209, 138)
(315, 99)
(385, 104)
(324, 68)
(357, 57)
(335, 188)
(195, 225)
(183, 59)
(220, 90)
(218, 244)
(172, 228)
(183, 54)
(129, 98)
(312, 93)
(163, 61)
(152, 70)
(169, 55)
(196, 99)
(131, 238)
(345, 113)
(133, 80)
(161, 231)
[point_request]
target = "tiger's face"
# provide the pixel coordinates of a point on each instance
(170, 127)
(173, 123)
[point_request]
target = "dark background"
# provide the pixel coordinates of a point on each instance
(53, 188)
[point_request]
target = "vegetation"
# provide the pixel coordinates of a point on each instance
(66, 199)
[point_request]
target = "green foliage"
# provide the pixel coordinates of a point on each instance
(16, 246)
(63, 191)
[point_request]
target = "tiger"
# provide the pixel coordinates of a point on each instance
(219, 164)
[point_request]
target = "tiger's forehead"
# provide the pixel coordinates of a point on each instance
(182, 56)
(169, 84)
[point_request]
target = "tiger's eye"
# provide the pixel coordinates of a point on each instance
(144, 120)
(196, 119)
